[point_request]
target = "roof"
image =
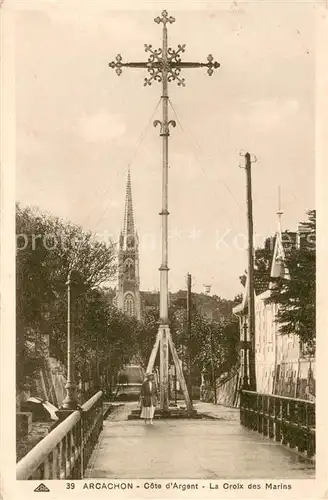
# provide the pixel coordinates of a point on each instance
(261, 285)
(280, 245)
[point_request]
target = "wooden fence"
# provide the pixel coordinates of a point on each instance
(64, 453)
(286, 420)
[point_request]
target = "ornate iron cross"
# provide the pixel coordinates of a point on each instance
(164, 65)
(164, 62)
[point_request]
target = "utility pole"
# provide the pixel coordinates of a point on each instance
(250, 276)
(189, 333)
(164, 65)
(213, 366)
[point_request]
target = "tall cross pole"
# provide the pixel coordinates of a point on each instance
(164, 65)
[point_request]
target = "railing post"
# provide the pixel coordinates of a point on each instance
(102, 412)
(271, 417)
(275, 419)
(293, 431)
(278, 419)
(82, 446)
(310, 441)
(289, 421)
(241, 405)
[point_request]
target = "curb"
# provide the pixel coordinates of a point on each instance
(211, 417)
(109, 409)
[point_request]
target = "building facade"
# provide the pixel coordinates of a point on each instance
(128, 292)
(281, 367)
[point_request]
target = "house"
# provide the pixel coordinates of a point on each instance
(280, 364)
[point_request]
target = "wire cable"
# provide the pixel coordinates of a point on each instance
(129, 163)
(203, 262)
(195, 142)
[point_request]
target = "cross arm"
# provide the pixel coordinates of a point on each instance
(210, 64)
(184, 65)
(118, 64)
(135, 64)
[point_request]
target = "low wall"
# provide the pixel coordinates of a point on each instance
(227, 390)
(294, 379)
(50, 382)
(227, 393)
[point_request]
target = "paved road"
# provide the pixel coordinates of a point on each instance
(197, 449)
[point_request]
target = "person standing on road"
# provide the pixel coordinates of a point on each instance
(148, 397)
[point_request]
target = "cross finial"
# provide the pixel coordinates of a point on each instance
(279, 211)
(117, 65)
(165, 18)
(164, 60)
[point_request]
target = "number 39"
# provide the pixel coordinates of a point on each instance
(70, 486)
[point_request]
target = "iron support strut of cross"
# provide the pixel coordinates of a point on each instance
(164, 65)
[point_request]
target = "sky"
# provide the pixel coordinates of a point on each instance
(79, 127)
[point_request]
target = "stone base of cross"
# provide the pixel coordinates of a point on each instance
(164, 345)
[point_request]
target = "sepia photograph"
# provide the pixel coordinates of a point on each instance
(165, 245)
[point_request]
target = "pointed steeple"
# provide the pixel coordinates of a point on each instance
(278, 266)
(279, 212)
(128, 293)
(128, 228)
(280, 248)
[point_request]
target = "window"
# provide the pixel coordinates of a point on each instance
(129, 305)
(129, 269)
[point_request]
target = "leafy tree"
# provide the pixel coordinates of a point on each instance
(215, 345)
(262, 259)
(146, 332)
(47, 247)
(214, 334)
(296, 294)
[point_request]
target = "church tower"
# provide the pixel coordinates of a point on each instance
(128, 293)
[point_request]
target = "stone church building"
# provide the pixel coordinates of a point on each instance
(128, 293)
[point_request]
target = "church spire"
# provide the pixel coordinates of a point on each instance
(128, 293)
(128, 228)
(280, 248)
(279, 212)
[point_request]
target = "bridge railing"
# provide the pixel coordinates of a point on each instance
(64, 453)
(286, 420)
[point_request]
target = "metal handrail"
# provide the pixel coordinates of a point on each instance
(27, 465)
(88, 404)
(279, 397)
(289, 421)
(39, 453)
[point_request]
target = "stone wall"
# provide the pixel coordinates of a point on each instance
(48, 384)
(295, 379)
(227, 390)
(227, 393)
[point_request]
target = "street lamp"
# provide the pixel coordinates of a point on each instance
(213, 365)
(69, 403)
